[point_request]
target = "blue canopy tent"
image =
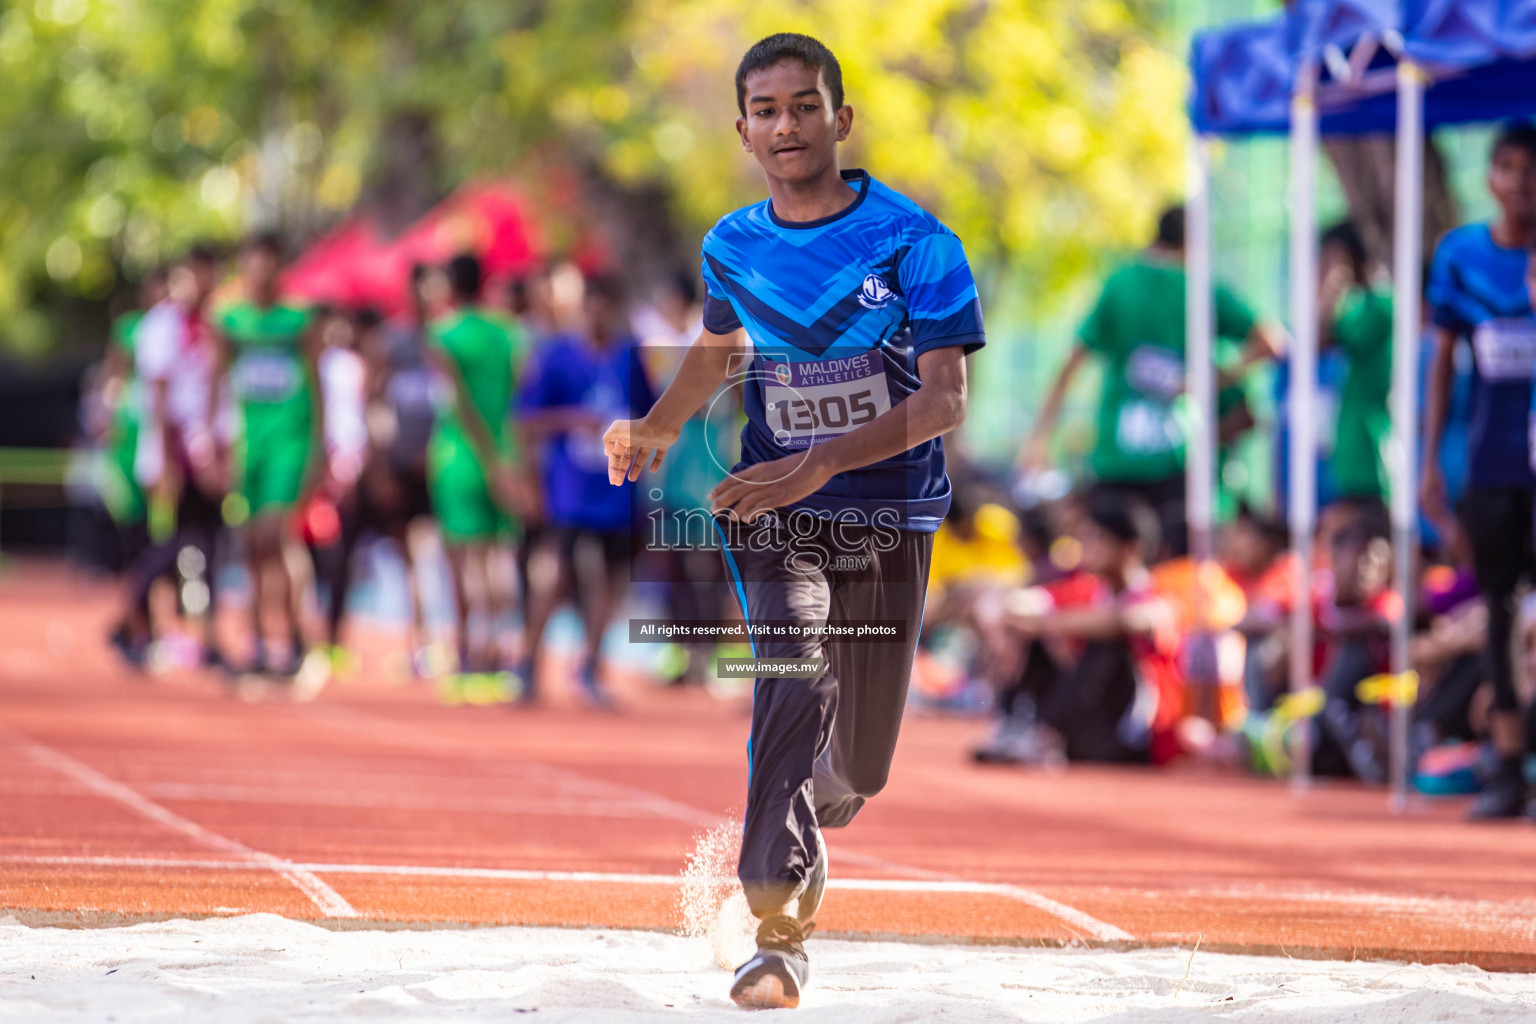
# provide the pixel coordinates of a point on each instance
(1343, 67)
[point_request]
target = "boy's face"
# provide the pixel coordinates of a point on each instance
(601, 313)
(1104, 554)
(1512, 180)
(791, 126)
(1246, 548)
(337, 332)
(258, 266)
(1331, 260)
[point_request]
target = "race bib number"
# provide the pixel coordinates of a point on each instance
(1505, 349)
(1155, 372)
(1146, 428)
(811, 402)
(266, 377)
(605, 401)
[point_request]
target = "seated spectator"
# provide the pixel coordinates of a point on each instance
(1255, 555)
(976, 553)
(1101, 672)
(1357, 623)
(977, 546)
(1447, 652)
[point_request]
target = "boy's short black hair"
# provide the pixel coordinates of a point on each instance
(1346, 236)
(765, 53)
(1128, 520)
(1035, 527)
(367, 318)
(606, 286)
(1514, 135)
(685, 285)
(465, 277)
(205, 253)
(1272, 528)
(1170, 228)
(265, 241)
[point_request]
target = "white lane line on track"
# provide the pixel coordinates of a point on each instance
(320, 894)
(517, 874)
(665, 807)
(1477, 913)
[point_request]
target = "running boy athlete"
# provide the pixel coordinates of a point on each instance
(471, 474)
(1477, 294)
(269, 355)
(856, 309)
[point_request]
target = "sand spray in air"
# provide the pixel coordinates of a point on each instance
(712, 905)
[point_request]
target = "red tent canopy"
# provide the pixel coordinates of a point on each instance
(355, 266)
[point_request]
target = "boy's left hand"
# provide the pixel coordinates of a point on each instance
(769, 485)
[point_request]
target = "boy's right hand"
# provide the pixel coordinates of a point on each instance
(516, 493)
(631, 444)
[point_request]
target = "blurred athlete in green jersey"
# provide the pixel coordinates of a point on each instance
(268, 356)
(472, 466)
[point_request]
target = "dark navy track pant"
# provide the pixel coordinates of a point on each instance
(820, 747)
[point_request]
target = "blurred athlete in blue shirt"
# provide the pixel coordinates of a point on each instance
(843, 312)
(1477, 294)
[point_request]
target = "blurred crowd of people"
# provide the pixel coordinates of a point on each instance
(243, 427)
(1103, 641)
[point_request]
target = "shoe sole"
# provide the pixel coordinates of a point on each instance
(766, 993)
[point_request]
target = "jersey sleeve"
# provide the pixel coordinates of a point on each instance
(533, 392)
(1234, 317)
(719, 315)
(1097, 333)
(942, 304)
(1442, 291)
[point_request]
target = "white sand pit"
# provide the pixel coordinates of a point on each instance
(262, 968)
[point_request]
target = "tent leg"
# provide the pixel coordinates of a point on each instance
(1303, 386)
(1200, 380)
(1200, 475)
(1407, 259)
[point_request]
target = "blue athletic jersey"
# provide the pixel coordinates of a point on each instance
(569, 372)
(838, 310)
(1477, 289)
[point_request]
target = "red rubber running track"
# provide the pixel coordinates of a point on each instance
(126, 798)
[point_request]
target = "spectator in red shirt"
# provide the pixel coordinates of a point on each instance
(1118, 699)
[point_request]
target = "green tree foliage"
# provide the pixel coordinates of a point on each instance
(1044, 131)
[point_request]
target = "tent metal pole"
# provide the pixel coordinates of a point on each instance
(1199, 299)
(1407, 259)
(1303, 399)
(1200, 405)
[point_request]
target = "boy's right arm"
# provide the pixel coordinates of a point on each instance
(631, 444)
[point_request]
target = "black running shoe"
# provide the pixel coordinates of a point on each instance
(815, 884)
(213, 659)
(773, 978)
(135, 653)
(1503, 797)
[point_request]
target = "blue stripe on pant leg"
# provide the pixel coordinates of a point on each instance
(746, 617)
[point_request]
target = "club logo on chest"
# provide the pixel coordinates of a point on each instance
(875, 293)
